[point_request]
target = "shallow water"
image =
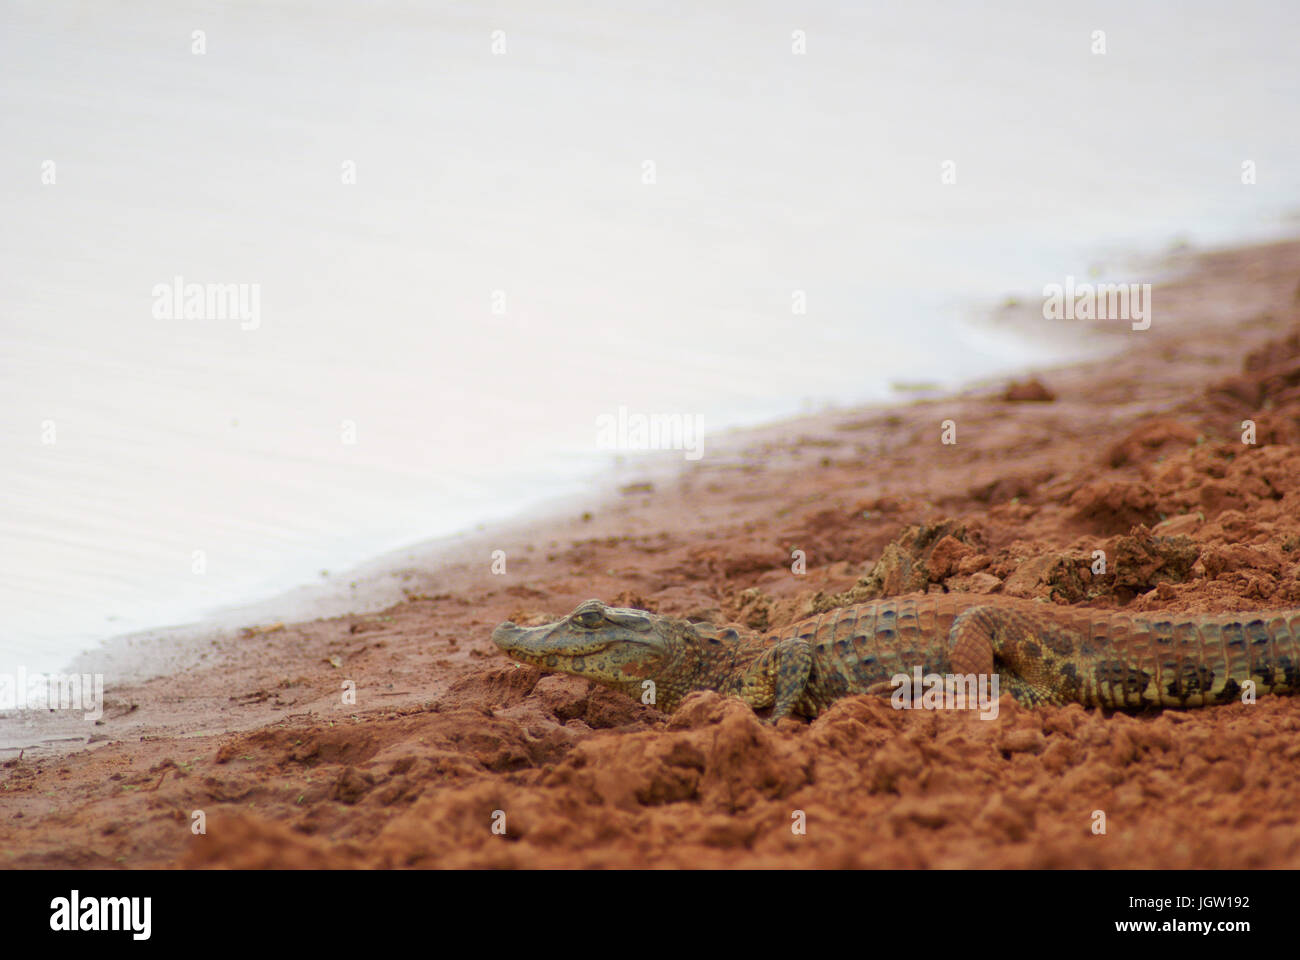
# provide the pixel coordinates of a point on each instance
(434, 342)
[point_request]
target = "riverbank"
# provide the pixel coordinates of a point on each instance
(1139, 454)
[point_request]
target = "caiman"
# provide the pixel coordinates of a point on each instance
(1042, 654)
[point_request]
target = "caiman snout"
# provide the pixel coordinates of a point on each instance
(561, 638)
(505, 633)
(530, 641)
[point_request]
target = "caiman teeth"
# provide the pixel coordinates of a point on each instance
(557, 654)
(585, 653)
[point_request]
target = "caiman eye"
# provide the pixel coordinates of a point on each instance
(591, 619)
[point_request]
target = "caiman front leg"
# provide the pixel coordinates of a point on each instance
(778, 678)
(1033, 658)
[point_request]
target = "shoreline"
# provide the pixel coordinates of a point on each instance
(383, 579)
(250, 728)
(378, 580)
(983, 318)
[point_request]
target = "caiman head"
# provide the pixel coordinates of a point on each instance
(616, 646)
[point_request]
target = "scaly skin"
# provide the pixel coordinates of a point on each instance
(1042, 653)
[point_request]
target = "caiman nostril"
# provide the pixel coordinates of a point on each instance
(504, 633)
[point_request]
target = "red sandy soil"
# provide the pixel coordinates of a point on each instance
(1139, 455)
